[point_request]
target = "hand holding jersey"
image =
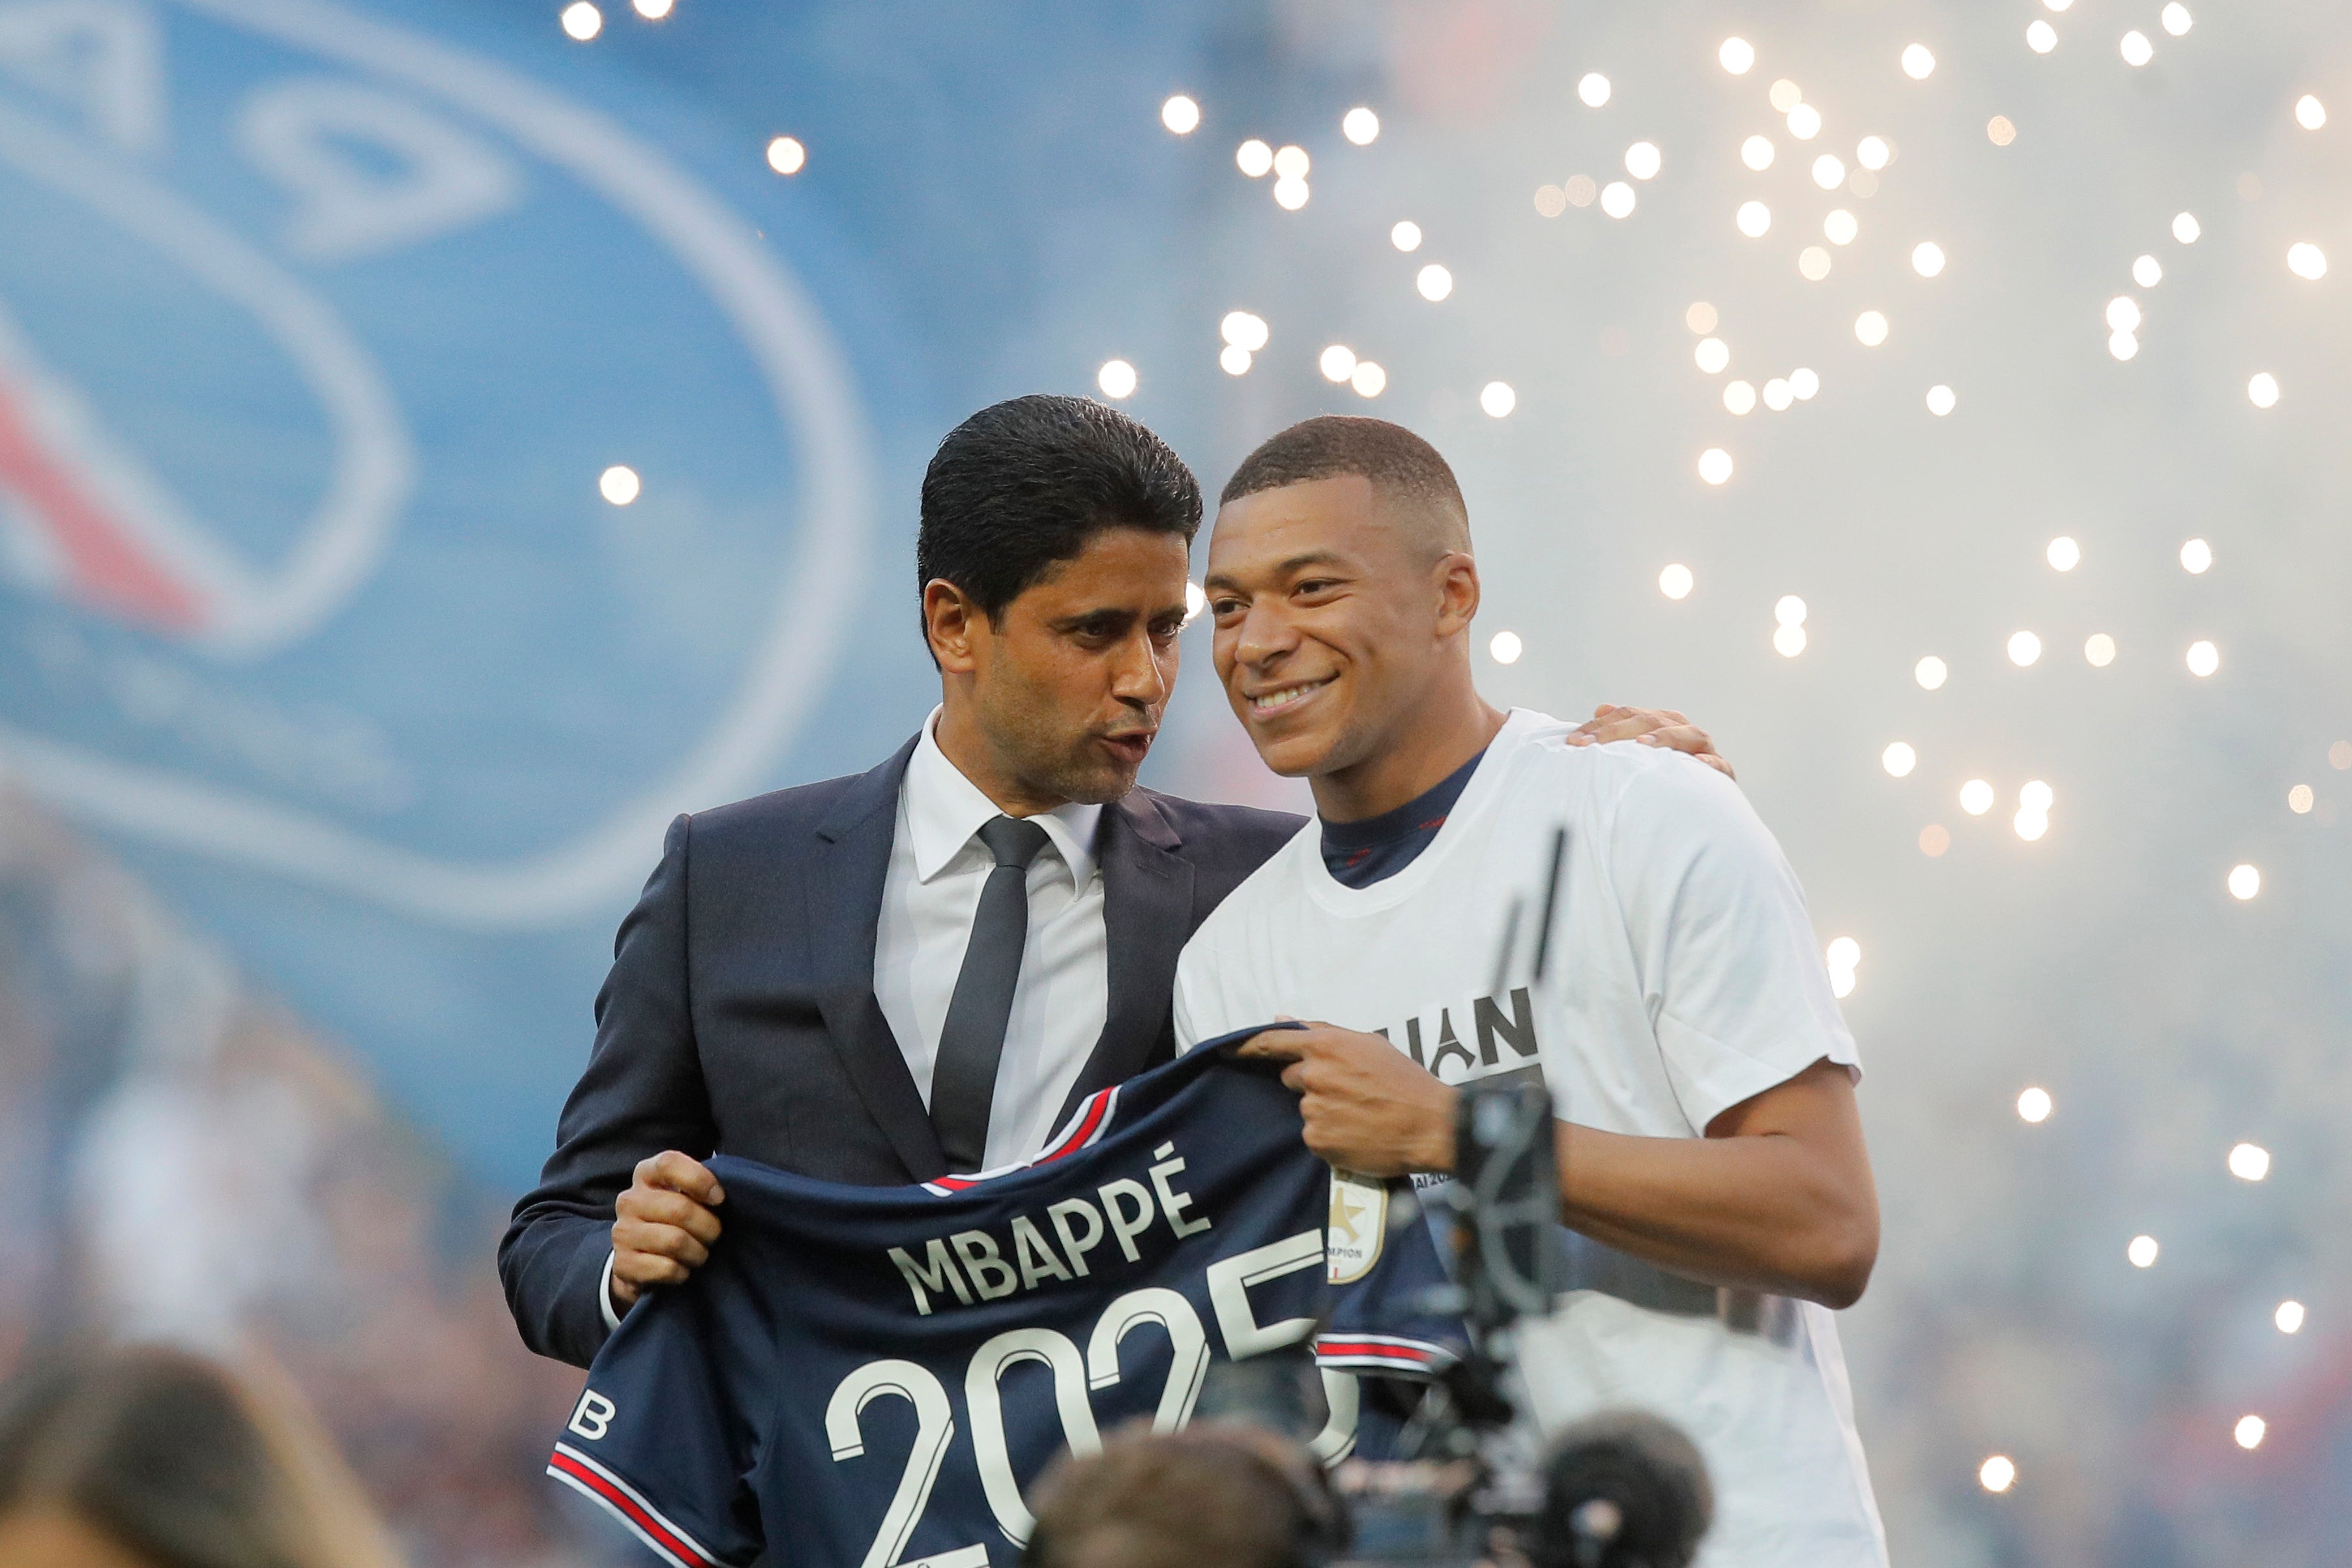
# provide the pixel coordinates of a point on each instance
(663, 1227)
(1683, 1019)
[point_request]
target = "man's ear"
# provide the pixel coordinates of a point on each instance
(952, 622)
(1457, 591)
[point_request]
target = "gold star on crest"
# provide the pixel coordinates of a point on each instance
(1345, 1210)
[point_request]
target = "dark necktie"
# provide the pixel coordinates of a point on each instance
(964, 1074)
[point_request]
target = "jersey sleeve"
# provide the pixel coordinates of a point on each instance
(667, 1435)
(1727, 962)
(1389, 1296)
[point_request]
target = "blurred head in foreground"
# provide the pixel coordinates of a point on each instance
(154, 1458)
(1213, 1496)
(1623, 1488)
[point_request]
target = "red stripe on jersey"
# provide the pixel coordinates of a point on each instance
(1085, 1129)
(1372, 1350)
(645, 1518)
(1090, 1124)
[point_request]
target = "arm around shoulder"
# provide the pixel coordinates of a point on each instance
(641, 1093)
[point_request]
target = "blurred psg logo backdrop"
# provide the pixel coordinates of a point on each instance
(317, 330)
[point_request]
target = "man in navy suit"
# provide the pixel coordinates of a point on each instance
(918, 970)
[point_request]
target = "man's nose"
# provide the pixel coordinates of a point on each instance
(1263, 636)
(1138, 674)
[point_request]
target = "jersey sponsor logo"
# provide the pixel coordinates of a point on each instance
(593, 1417)
(977, 1265)
(1498, 1024)
(1358, 1228)
(310, 356)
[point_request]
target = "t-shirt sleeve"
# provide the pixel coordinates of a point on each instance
(666, 1434)
(1729, 964)
(1187, 1036)
(1201, 1008)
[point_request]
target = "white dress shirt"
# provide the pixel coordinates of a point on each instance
(929, 897)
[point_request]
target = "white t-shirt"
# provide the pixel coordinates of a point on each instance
(1681, 977)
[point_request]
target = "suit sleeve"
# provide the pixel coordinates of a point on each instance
(643, 1092)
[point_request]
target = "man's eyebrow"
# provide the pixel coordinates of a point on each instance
(1289, 567)
(1099, 613)
(1102, 615)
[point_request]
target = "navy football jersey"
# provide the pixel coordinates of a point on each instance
(872, 1376)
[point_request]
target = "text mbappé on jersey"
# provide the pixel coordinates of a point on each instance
(991, 1269)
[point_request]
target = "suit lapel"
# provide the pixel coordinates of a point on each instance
(1146, 916)
(844, 902)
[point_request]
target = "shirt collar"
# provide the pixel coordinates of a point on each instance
(944, 810)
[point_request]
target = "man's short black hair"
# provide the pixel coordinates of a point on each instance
(1024, 484)
(1392, 457)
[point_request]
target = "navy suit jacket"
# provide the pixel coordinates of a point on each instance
(740, 1018)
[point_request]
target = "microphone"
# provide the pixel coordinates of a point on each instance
(1622, 1489)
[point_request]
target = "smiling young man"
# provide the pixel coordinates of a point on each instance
(920, 968)
(1718, 1194)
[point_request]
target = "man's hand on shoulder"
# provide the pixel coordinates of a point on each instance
(1651, 727)
(663, 1229)
(1369, 1107)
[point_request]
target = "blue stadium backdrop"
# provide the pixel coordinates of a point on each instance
(318, 328)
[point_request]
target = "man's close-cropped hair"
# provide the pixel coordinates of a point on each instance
(1024, 484)
(1392, 458)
